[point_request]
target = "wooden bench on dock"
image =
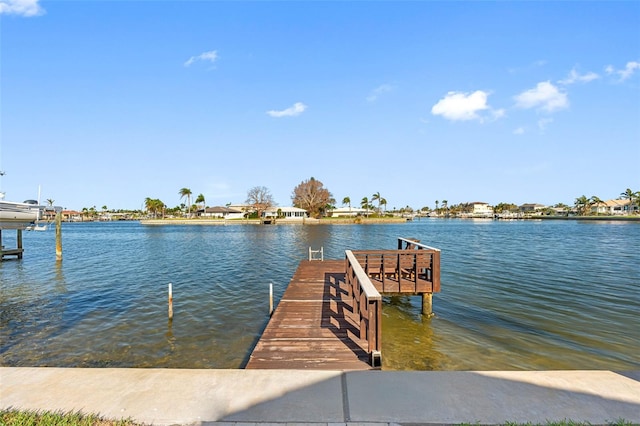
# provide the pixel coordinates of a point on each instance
(330, 316)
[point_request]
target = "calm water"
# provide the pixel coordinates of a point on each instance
(515, 295)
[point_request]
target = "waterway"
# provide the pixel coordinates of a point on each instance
(515, 295)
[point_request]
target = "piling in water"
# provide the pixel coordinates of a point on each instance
(170, 302)
(59, 236)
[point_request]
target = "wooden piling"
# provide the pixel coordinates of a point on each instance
(19, 241)
(427, 304)
(170, 302)
(270, 299)
(58, 236)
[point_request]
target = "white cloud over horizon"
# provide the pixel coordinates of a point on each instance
(460, 106)
(375, 93)
(210, 56)
(545, 96)
(297, 109)
(26, 8)
(630, 68)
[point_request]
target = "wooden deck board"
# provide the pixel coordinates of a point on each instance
(313, 326)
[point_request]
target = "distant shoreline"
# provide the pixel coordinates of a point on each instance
(360, 221)
(309, 221)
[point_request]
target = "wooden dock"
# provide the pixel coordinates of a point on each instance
(17, 252)
(314, 325)
(330, 316)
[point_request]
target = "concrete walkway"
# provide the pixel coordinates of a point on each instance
(164, 397)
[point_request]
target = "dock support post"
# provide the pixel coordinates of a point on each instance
(19, 241)
(170, 302)
(427, 304)
(270, 299)
(58, 236)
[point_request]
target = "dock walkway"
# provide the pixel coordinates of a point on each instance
(314, 325)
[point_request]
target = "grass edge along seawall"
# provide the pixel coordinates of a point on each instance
(14, 417)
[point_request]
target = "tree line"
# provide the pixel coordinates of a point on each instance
(312, 196)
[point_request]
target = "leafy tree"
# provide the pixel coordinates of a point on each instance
(154, 206)
(312, 196)
(260, 198)
(186, 192)
(505, 207)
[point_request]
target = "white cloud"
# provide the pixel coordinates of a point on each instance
(519, 131)
(20, 7)
(458, 106)
(297, 109)
(375, 93)
(575, 77)
(210, 56)
(628, 71)
(545, 96)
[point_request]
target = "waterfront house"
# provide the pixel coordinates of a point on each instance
(481, 209)
(221, 212)
(349, 212)
(289, 213)
(532, 208)
(614, 207)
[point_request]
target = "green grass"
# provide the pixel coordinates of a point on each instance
(57, 418)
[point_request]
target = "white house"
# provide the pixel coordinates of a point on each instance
(290, 213)
(481, 209)
(221, 212)
(349, 212)
(614, 207)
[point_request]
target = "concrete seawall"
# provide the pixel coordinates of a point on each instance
(171, 396)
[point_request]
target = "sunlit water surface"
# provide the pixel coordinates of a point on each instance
(515, 295)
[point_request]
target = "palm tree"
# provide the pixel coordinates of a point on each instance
(633, 197)
(364, 202)
(596, 201)
(627, 195)
(436, 206)
(583, 205)
(376, 197)
(50, 202)
(186, 192)
(444, 206)
(383, 201)
(200, 199)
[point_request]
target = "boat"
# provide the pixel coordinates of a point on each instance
(18, 215)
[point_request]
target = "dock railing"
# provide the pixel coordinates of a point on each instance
(412, 243)
(367, 303)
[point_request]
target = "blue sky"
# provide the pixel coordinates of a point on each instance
(110, 102)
